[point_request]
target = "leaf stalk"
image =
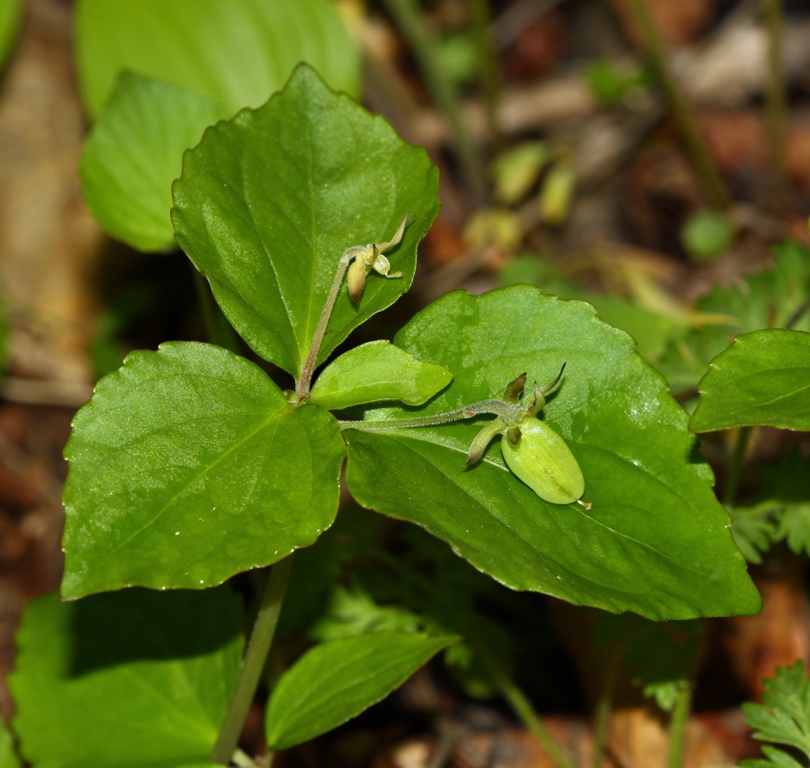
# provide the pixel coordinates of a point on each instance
(494, 407)
(305, 380)
(261, 638)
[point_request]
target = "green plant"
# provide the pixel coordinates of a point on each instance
(190, 464)
(782, 718)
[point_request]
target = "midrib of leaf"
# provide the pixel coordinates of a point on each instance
(276, 415)
(310, 332)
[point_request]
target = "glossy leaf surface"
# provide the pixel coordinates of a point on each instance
(377, 371)
(188, 466)
(269, 201)
(235, 53)
(337, 680)
(135, 152)
(656, 541)
(763, 378)
(138, 678)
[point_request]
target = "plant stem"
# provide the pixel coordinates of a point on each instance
(524, 710)
(736, 466)
(219, 334)
(261, 639)
(303, 384)
(495, 407)
(490, 66)
(702, 159)
(604, 706)
(405, 14)
(776, 104)
(677, 726)
(204, 300)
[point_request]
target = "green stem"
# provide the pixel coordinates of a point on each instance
(302, 387)
(261, 639)
(736, 466)
(204, 300)
(702, 159)
(524, 710)
(406, 16)
(604, 707)
(776, 105)
(490, 69)
(677, 726)
(495, 407)
(219, 333)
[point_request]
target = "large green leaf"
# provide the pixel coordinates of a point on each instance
(10, 13)
(188, 466)
(336, 681)
(656, 541)
(235, 53)
(269, 201)
(377, 371)
(135, 152)
(761, 379)
(140, 679)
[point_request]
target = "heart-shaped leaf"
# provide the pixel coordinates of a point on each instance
(762, 378)
(187, 466)
(269, 201)
(235, 53)
(135, 152)
(656, 541)
(138, 678)
(377, 371)
(336, 681)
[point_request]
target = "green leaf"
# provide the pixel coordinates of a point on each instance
(8, 755)
(656, 541)
(660, 656)
(765, 300)
(794, 527)
(133, 154)
(377, 371)
(776, 759)
(269, 201)
(10, 15)
(188, 466)
(354, 612)
(336, 681)
(761, 379)
(784, 715)
(235, 53)
(138, 678)
(754, 530)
